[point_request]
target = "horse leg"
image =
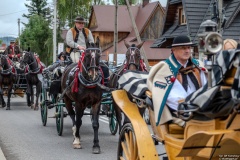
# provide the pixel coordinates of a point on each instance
(28, 93)
(71, 113)
(79, 113)
(1, 98)
(9, 96)
(95, 125)
(38, 91)
(32, 96)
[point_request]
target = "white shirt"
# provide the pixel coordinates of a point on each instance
(178, 92)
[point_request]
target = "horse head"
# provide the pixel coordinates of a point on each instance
(90, 60)
(27, 59)
(4, 62)
(133, 56)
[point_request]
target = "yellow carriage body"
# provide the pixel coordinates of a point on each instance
(196, 141)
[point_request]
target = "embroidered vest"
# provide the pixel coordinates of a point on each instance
(75, 33)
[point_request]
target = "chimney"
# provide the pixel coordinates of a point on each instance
(145, 2)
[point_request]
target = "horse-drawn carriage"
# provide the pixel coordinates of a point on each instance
(48, 101)
(12, 79)
(212, 129)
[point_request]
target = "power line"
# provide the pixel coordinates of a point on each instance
(13, 12)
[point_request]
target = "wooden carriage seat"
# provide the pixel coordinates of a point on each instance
(172, 129)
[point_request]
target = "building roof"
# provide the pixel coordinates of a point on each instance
(142, 15)
(151, 53)
(197, 12)
(232, 13)
(105, 16)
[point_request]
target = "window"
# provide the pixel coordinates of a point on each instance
(182, 17)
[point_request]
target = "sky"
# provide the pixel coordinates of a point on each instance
(11, 10)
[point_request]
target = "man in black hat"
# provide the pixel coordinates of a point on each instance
(172, 80)
(13, 51)
(77, 37)
(59, 62)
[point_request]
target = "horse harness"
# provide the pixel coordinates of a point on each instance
(8, 71)
(132, 60)
(34, 71)
(77, 72)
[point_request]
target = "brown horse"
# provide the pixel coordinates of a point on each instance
(132, 62)
(7, 78)
(80, 85)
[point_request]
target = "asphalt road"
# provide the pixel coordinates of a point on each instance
(22, 136)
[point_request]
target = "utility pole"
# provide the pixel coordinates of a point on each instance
(137, 35)
(19, 32)
(54, 30)
(115, 34)
(220, 18)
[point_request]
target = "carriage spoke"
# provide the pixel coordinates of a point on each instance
(124, 147)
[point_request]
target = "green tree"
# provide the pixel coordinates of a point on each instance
(38, 36)
(69, 9)
(1, 41)
(38, 7)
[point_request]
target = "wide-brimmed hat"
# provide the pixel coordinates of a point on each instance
(79, 19)
(182, 40)
(12, 41)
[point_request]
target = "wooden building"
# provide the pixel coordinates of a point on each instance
(149, 20)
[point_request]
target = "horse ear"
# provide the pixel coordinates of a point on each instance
(98, 42)
(126, 44)
(140, 45)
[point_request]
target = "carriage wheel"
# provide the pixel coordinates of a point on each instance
(113, 123)
(127, 145)
(59, 119)
(44, 108)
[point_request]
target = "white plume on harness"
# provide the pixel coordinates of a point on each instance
(57, 69)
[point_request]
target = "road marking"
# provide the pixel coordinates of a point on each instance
(101, 118)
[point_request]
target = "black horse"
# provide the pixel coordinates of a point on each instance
(132, 62)
(7, 78)
(32, 68)
(80, 85)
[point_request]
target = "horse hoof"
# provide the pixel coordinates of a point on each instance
(77, 146)
(4, 105)
(96, 150)
(35, 108)
(8, 108)
(32, 106)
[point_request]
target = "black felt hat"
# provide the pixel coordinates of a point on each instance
(79, 19)
(62, 54)
(12, 41)
(182, 40)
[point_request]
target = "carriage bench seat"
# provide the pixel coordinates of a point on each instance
(175, 129)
